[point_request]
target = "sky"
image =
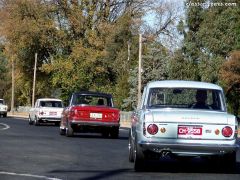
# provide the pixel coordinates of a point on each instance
(176, 7)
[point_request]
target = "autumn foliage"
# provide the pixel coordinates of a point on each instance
(230, 75)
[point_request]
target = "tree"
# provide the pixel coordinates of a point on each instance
(210, 34)
(230, 75)
(28, 28)
(72, 41)
(4, 75)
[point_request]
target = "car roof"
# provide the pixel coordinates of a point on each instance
(92, 93)
(183, 84)
(49, 99)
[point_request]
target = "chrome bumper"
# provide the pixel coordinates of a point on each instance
(188, 149)
(50, 119)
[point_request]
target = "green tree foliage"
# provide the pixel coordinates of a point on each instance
(155, 63)
(95, 56)
(28, 28)
(210, 34)
(180, 68)
(81, 45)
(4, 75)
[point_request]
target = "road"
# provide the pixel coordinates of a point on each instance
(39, 152)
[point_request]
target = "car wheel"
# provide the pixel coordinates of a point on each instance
(130, 149)
(36, 123)
(226, 161)
(139, 159)
(105, 133)
(57, 123)
(30, 122)
(114, 132)
(229, 160)
(62, 131)
(5, 115)
(69, 130)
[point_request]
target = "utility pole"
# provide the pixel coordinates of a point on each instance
(139, 71)
(34, 80)
(129, 50)
(13, 86)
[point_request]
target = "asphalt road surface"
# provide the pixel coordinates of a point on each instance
(39, 152)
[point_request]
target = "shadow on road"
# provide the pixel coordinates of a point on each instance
(96, 136)
(153, 167)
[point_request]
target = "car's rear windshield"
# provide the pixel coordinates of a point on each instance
(92, 100)
(58, 104)
(189, 98)
(1, 101)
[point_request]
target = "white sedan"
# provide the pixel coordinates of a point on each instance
(46, 110)
(182, 118)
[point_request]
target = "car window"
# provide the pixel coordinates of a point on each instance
(92, 100)
(51, 104)
(190, 98)
(1, 101)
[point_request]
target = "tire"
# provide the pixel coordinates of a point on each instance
(114, 133)
(139, 159)
(105, 133)
(5, 115)
(57, 123)
(130, 149)
(62, 131)
(229, 160)
(36, 123)
(69, 130)
(226, 161)
(30, 122)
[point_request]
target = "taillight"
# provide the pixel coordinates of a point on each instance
(41, 113)
(152, 129)
(72, 113)
(227, 131)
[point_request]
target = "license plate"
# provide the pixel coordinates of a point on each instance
(96, 115)
(189, 131)
(52, 113)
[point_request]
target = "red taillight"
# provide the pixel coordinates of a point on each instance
(227, 131)
(41, 113)
(72, 113)
(152, 129)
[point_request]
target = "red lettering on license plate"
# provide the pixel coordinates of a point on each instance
(52, 113)
(189, 130)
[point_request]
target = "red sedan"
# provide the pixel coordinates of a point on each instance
(90, 112)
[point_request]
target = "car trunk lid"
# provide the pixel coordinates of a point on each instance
(188, 124)
(96, 113)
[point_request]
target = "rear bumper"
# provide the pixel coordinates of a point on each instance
(50, 119)
(188, 149)
(3, 112)
(95, 124)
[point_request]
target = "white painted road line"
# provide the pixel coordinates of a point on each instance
(5, 126)
(28, 175)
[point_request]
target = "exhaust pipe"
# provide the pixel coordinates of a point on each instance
(164, 153)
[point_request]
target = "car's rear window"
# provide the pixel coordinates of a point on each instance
(92, 100)
(58, 104)
(190, 98)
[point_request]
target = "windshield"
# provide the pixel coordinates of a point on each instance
(190, 98)
(92, 100)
